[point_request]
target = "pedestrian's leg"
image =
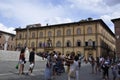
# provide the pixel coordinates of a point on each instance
(77, 75)
(68, 68)
(22, 68)
(92, 69)
(103, 74)
(69, 75)
(107, 74)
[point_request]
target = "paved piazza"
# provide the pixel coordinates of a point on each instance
(8, 72)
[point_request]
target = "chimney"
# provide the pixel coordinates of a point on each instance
(90, 19)
(47, 24)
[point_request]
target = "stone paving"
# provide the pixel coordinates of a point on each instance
(8, 72)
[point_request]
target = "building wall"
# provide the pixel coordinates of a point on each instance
(117, 34)
(10, 43)
(2, 41)
(97, 33)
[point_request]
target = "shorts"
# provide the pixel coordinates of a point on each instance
(32, 65)
(21, 62)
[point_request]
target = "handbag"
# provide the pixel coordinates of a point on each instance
(17, 65)
(73, 74)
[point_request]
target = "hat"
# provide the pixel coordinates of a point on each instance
(106, 62)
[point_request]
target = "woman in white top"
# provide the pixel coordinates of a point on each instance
(74, 67)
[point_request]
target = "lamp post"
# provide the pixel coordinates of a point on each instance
(27, 42)
(27, 36)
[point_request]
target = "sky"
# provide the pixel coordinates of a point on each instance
(19, 13)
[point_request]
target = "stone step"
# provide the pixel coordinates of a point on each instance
(14, 56)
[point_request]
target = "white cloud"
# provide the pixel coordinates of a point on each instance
(96, 6)
(57, 20)
(114, 13)
(28, 12)
(100, 8)
(112, 2)
(7, 29)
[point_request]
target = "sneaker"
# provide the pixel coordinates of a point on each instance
(32, 74)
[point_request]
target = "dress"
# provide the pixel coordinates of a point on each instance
(74, 70)
(48, 70)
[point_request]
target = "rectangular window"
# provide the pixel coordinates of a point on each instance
(86, 43)
(78, 44)
(93, 43)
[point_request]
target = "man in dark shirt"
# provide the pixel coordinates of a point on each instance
(32, 60)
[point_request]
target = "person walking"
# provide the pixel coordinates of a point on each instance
(114, 70)
(32, 61)
(97, 65)
(22, 61)
(92, 62)
(48, 69)
(72, 71)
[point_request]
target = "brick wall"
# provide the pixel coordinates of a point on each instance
(117, 33)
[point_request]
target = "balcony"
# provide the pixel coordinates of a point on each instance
(90, 47)
(49, 48)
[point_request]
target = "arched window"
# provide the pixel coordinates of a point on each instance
(40, 44)
(41, 34)
(78, 31)
(68, 32)
(89, 30)
(78, 43)
(32, 44)
(58, 32)
(49, 34)
(90, 42)
(33, 35)
(68, 43)
(58, 44)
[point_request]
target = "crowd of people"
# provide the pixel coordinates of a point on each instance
(58, 63)
(104, 65)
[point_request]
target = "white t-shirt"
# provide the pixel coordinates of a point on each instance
(55, 56)
(74, 66)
